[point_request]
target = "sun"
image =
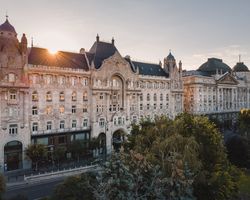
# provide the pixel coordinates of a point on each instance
(52, 51)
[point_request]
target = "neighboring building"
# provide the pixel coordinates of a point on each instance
(54, 99)
(216, 90)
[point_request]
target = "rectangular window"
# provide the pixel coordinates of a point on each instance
(73, 109)
(74, 123)
(49, 125)
(13, 129)
(102, 122)
(35, 127)
(161, 106)
(62, 124)
(85, 109)
(141, 106)
(155, 106)
(101, 96)
(12, 95)
(34, 110)
(85, 123)
(148, 106)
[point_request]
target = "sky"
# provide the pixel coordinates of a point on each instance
(146, 30)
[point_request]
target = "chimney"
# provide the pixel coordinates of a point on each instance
(113, 41)
(97, 38)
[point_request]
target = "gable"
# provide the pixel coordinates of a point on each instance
(227, 79)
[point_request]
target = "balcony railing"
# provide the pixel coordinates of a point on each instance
(63, 130)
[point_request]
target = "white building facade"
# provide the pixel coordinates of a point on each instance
(217, 91)
(54, 99)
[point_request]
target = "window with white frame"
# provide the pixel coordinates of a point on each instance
(13, 129)
(85, 123)
(12, 95)
(34, 110)
(102, 122)
(73, 109)
(49, 125)
(74, 122)
(34, 127)
(62, 124)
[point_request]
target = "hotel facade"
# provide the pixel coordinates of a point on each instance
(54, 99)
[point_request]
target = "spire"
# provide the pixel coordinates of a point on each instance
(31, 41)
(239, 58)
(97, 38)
(7, 16)
(113, 41)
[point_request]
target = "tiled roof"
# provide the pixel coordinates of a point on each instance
(149, 69)
(6, 26)
(101, 51)
(40, 56)
(195, 72)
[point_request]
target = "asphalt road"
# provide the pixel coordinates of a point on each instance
(34, 190)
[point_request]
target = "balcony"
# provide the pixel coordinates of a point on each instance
(58, 131)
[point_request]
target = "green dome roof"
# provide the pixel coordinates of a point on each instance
(240, 67)
(214, 64)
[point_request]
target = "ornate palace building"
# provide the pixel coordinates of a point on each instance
(54, 99)
(216, 90)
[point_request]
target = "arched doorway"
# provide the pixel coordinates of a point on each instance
(13, 155)
(117, 139)
(102, 144)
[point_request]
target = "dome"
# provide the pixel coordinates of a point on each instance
(170, 57)
(214, 64)
(6, 26)
(240, 67)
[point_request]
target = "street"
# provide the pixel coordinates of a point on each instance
(34, 190)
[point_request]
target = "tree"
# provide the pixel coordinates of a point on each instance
(59, 154)
(75, 188)
(2, 185)
(36, 153)
(78, 148)
(198, 148)
(238, 148)
(244, 123)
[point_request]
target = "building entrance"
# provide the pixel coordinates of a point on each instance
(13, 156)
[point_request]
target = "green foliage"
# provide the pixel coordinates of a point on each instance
(244, 123)
(59, 154)
(78, 148)
(244, 186)
(2, 185)
(36, 153)
(195, 141)
(130, 176)
(75, 188)
(238, 148)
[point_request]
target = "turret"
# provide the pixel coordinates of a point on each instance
(24, 44)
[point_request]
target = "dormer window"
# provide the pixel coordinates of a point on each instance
(12, 95)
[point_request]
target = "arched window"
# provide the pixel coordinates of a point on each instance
(73, 97)
(35, 96)
(48, 96)
(85, 96)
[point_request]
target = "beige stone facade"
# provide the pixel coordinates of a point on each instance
(55, 99)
